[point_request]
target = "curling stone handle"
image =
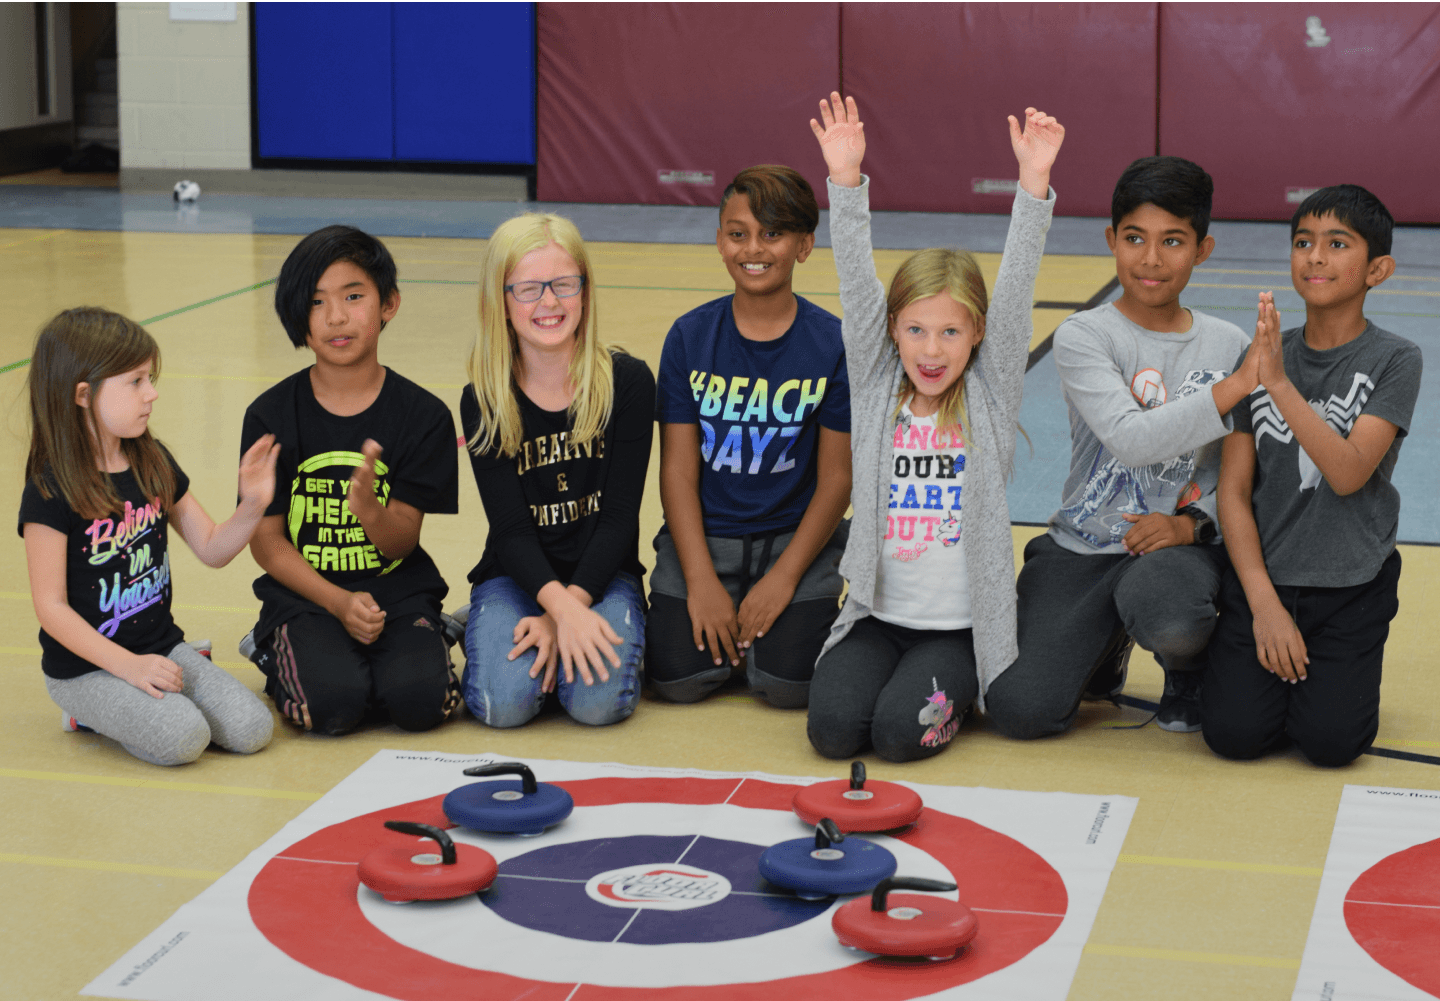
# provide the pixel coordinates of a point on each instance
(528, 784)
(447, 847)
(882, 890)
(857, 775)
(827, 833)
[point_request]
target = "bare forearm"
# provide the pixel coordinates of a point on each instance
(218, 544)
(394, 533)
(64, 625)
(1242, 542)
(284, 563)
(1337, 458)
(822, 516)
(1036, 183)
(1229, 391)
(680, 497)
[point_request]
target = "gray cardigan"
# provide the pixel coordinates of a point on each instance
(992, 401)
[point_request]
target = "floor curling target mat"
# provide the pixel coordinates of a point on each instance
(649, 888)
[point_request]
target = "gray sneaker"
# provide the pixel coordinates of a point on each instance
(1108, 681)
(1180, 705)
(247, 646)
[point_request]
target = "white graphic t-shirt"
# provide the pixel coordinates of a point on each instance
(921, 582)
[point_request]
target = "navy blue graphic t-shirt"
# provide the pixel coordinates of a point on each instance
(758, 405)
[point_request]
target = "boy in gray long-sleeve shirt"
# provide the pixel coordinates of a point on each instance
(1149, 388)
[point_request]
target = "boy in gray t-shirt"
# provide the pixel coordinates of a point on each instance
(1309, 511)
(1132, 555)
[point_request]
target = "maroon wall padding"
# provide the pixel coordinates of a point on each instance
(628, 91)
(1244, 96)
(935, 81)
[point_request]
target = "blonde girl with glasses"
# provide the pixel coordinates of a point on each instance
(558, 425)
(936, 371)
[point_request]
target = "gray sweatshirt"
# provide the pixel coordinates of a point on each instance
(1144, 432)
(992, 402)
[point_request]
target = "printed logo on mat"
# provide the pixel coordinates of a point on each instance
(661, 887)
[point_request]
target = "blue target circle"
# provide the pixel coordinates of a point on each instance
(545, 890)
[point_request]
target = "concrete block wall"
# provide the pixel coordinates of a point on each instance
(184, 89)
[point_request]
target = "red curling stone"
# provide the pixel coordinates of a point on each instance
(906, 924)
(402, 873)
(856, 805)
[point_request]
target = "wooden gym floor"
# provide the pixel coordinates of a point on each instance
(1213, 894)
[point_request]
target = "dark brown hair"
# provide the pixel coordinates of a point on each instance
(88, 344)
(780, 198)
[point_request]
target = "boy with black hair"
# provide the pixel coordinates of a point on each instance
(1305, 496)
(1132, 555)
(754, 411)
(350, 604)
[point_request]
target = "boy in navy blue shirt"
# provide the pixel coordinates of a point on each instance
(754, 408)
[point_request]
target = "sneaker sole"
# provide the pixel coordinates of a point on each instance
(1178, 726)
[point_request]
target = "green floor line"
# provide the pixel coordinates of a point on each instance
(165, 316)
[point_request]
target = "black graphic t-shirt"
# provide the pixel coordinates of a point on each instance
(318, 454)
(561, 511)
(117, 570)
(1310, 535)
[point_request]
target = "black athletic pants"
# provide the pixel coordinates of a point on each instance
(901, 691)
(1334, 714)
(326, 680)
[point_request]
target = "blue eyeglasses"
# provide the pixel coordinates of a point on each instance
(563, 288)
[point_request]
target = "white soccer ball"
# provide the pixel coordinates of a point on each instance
(186, 191)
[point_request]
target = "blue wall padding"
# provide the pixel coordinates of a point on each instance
(323, 80)
(465, 82)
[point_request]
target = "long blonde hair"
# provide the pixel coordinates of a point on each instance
(930, 272)
(496, 352)
(89, 345)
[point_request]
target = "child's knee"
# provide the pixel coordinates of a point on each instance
(782, 693)
(1022, 718)
(603, 712)
(170, 747)
(1331, 749)
(691, 688)
(1238, 743)
(836, 739)
(252, 733)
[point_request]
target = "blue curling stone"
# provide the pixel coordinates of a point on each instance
(503, 807)
(850, 866)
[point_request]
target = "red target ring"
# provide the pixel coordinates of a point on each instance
(1393, 913)
(307, 906)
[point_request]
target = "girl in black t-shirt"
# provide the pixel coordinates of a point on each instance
(559, 432)
(99, 495)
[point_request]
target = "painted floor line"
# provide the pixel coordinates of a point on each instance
(1182, 956)
(136, 870)
(166, 784)
(1200, 863)
(1389, 903)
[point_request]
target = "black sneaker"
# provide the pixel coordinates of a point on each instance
(1180, 705)
(1108, 680)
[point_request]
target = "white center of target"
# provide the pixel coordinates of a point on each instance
(858, 794)
(827, 854)
(507, 795)
(661, 886)
(904, 913)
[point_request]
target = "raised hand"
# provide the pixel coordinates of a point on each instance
(1267, 346)
(1036, 145)
(842, 139)
(362, 481)
(257, 473)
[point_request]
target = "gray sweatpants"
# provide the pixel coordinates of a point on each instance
(1072, 606)
(173, 730)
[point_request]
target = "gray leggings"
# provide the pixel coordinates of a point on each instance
(173, 730)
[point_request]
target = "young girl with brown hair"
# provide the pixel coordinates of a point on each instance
(100, 494)
(936, 372)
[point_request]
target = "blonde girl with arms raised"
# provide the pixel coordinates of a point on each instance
(559, 428)
(936, 371)
(100, 496)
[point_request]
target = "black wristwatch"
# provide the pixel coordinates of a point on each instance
(1205, 530)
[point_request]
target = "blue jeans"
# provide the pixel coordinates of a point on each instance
(501, 692)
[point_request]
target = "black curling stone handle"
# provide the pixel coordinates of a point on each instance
(447, 847)
(528, 785)
(883, 888)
